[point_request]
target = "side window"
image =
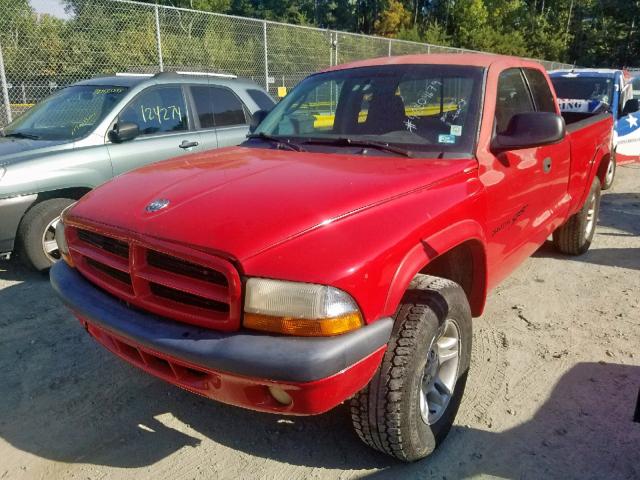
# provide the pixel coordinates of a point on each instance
(263, 100)
(157, 110)
(540, 90)
(227, 108)
(513, 98)
(204, 105)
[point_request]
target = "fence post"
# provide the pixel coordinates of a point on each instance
(389, 48)
(266, 56)
(5, 89)
(158, 39)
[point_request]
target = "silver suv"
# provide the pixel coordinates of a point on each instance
(88, 132)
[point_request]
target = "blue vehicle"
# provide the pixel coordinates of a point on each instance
(585, 92)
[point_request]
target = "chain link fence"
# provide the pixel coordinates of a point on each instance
(41, 53)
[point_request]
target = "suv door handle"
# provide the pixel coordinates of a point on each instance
(546, 165)
(188, 144)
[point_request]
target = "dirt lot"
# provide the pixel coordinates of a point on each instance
(555, 377)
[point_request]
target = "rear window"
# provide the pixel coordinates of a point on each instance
(263, 100)
(228, 110)
(204, 106)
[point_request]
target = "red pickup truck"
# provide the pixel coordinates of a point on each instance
(342, 250)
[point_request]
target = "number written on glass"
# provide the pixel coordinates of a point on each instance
(160, 114)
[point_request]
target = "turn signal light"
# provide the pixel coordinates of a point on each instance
(303, 327)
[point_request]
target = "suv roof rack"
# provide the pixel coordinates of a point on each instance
(127, 74)
(200, 74)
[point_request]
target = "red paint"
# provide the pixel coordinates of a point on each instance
(309, 398)
(366, 225)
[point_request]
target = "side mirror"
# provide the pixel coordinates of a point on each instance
(631, 106)
(531, 129)
(124, 131)
(256, 119)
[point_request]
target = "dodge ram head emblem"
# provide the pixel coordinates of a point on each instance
(157, 205)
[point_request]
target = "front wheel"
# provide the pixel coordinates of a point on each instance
(576, 235)
(410, 404)
(37, 233)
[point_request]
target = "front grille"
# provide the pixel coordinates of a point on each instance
(187, 298)
(182, 267)
(112, 272)
(111, 245)
(186, 286)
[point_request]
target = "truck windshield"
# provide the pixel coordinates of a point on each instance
(422, 109)
(69, 114)
(584, 88)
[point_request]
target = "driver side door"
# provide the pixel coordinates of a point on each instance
(162, 116)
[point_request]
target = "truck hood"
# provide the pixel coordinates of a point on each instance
(240, 201)
(14, 148)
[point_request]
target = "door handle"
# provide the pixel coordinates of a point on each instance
(188, 144)
(546, 165)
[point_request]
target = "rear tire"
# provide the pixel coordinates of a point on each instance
(575, 236)
(410, 404)
(36, 234)
(610, 174)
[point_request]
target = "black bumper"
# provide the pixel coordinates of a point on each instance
(11, 212)
(294, 359)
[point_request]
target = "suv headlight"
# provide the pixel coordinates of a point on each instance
(302, 309)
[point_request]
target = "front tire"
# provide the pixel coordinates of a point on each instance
(576, 235)
(36, 234)
(410, 404)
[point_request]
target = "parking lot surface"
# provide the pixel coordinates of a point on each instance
(553, 386)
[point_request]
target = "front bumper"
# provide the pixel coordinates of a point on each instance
(11, 212)
(236, 368)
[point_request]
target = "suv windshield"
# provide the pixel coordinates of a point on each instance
(68, 114)
(424, 109)
(584, 88)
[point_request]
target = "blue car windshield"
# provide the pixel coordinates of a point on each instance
(69, 114)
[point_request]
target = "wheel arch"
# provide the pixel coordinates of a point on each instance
(456, 253)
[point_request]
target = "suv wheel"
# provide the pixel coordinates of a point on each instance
(37, 233)
(410, 404)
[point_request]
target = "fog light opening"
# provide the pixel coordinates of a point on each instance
(280, 395)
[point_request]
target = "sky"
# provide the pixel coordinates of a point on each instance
(52, 7)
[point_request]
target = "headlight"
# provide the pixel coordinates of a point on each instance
(61, 238)
(301, 309)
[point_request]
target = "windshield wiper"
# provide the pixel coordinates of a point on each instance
(350, 142)
(279, 141)
(22, 135)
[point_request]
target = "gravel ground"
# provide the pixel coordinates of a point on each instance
(554, 382)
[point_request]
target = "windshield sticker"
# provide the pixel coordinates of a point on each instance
(158, 113)
(450, 139)
(456, 130)
(410, 125)
(105, 91)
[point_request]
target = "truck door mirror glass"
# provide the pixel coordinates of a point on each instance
(631, 106)
(530, 129)
(256, 119)
(123, 132)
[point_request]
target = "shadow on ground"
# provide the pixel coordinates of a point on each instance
(64, 398)
(620, 211)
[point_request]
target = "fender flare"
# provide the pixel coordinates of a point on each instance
(432, 247)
